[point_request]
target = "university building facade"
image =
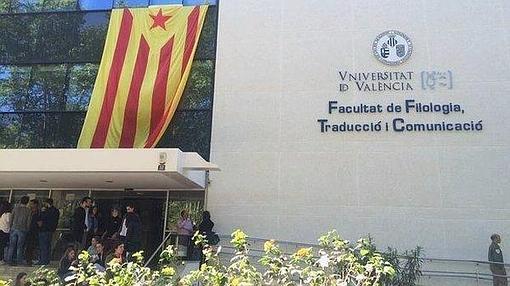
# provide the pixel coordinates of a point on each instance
(386, 118)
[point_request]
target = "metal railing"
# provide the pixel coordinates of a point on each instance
(289, 247)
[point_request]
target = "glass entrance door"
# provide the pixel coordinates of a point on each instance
(149, 206)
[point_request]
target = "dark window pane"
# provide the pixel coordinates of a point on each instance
(29, 89)
(199, 88)
(207, 43)
(40, 130)
(46, 88)
(59, 5)
(189, 131)
(22, 6)
(5, 6)
(81, 84)
(165, 2)
(95, 4)
(21, 130)
(131, 3)
(14, 82)
(92, 36)
(52, 37)
(199, 2)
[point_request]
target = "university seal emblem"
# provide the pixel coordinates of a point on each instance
(392, 47)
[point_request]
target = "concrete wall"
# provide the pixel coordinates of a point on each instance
(277, 68)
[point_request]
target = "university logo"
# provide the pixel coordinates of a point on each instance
(392, 47)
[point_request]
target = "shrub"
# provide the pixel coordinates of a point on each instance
(334, 262)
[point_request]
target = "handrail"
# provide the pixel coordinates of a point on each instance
(425, 258)
(428, 273)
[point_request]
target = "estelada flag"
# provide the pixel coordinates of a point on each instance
(145, 65)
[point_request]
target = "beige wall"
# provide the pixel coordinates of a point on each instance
(276, 69)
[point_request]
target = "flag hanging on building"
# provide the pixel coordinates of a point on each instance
(145, 65)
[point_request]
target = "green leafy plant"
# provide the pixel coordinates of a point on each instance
(334, 261)
(407, 266)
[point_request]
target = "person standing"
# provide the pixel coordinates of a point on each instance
(80, 225)
(20, 224)
(93, 225)
(5, 226)
(33, 233)
(185, 232)
(48, 222)
(498, 268)
(133, 230)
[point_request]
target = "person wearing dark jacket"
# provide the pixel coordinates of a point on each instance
(131, 230)
(67, 260)
(48, 221)
(81, 221)
(33, 233)
(497, 268)
(207, 224)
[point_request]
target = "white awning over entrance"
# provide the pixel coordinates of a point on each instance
(137, 169)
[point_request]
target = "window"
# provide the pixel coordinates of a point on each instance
(52, 37)
(206, 48)
(32, 194)
(165, 2)
(189, 131)
(81, 84)
(131, 3)
(95, 4)
(199, 2)
(199, 88)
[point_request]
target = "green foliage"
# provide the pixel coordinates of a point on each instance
(43, 277)
(407, 266)
(334, 262)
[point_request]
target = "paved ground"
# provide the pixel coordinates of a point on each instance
(10, 272)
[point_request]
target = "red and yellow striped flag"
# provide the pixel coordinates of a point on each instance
(145, 65)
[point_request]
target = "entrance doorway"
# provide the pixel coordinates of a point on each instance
(150, 206)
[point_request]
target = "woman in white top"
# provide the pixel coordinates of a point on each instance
(5, 223)
(185, 232)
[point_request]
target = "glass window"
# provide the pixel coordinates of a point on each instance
(52, 37)
(131, 3)
(206, 48)
(189, 131)
(40, 130)
(81, 84)
(66, 202)
(199, 88)
(32, 194)
(42, 5)
(165, 2)
(4, 195)
(195, 208)
(199, 2)
(14, 82)
(92, 36)
(95, 4)
(5, 6)
(35, 88)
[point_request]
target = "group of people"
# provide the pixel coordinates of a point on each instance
(186, 229)
(25, 228)
(87, 224)
(29, 227)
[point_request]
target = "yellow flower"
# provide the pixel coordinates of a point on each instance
(269, 245)
(304, 252)
(238, 237)
(168, 271)
(235, 282)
